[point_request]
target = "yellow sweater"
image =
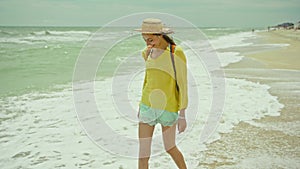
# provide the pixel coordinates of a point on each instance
(159, 89)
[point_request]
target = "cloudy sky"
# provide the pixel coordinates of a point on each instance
(203, 13)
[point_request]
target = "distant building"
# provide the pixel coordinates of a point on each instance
(286, 25)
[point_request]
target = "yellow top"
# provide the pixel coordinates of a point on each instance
(159, 89)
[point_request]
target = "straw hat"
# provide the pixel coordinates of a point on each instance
(153, 26)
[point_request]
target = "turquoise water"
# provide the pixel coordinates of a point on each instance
(36, 58)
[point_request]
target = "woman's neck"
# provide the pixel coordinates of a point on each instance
(158, 50)
(163, 44)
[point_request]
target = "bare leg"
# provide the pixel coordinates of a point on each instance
(145, 139)
(170, 145)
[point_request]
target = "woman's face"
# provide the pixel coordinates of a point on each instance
(152, 40)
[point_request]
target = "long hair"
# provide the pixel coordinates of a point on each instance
(166, 38)
(169, 40)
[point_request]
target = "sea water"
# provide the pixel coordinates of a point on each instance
(41, 126)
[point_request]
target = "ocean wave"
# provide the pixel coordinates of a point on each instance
(6, 33)
(62, 33)
(57, 36)
(40, 33)
(227, 58)
(232, 40)
(208, 49)
(221, 29)
(16, 41)
(41, 39)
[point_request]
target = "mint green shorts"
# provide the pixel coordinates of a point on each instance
(153, 116)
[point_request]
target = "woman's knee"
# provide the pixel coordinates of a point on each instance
(144, 159)
(172, 150)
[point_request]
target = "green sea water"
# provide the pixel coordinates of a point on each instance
(36, 58)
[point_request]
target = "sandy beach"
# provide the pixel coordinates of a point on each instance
(270, 142)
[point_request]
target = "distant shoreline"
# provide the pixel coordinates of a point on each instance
(285, 57)
(272, 141)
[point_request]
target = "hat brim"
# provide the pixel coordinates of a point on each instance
(164, 31)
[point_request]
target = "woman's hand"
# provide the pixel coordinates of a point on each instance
(149, 50)
(181, 121)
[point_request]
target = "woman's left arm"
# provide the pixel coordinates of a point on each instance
(181, 70)
(181, 121)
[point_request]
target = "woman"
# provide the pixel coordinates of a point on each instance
(164, 91)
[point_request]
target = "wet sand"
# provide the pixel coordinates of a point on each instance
(270, 142)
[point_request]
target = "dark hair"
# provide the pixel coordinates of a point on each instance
(166, 38)
(169, 40)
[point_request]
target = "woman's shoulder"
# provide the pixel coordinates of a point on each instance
(178, 48)
(179, 52)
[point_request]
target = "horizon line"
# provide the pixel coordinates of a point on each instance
(100, 26)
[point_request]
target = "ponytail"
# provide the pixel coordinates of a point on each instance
(171, 42)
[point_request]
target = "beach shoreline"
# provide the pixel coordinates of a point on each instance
(272, 141)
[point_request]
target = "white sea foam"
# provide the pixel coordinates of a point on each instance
(62, 36)
(207, 49)
(69, 32)
(41, 39)
(232, 40)
(15, 40)
(229, 57)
